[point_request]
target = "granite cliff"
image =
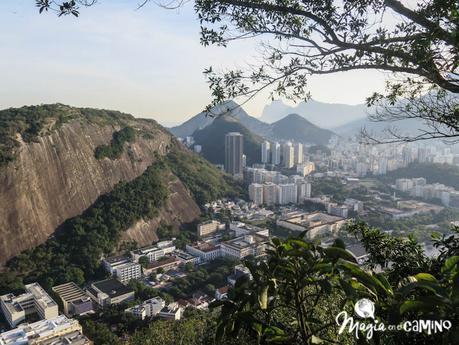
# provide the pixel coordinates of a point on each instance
(51, 172)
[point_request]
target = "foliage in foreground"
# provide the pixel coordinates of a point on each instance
(298, 291)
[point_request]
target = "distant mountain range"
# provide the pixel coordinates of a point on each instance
(291, 127)
(325, 115)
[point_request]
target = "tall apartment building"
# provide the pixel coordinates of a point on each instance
(298, 153)
(35, 300)
(256, 193)
(288, 155)
(208, 228)
(287, 193)
(303, 191)
(269, 193)
(265, 151)
(275, 153)
(234, 149)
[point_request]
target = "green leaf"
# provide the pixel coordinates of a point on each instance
(339, 253)
(263, 298)
(409, 306)
(425, 277)
(450, 263)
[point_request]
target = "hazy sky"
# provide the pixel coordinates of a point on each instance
(146, 62)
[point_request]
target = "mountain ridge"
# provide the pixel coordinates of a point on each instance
(55, 175)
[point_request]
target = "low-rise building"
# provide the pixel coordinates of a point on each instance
(172, 312)
(110, 292)
(153, 253)
(209, 228)
(147, 309)
(204, 250)
(166, 263)
(222, 293)
(122, 268)
(35, 300)
(244, 246)
(186, 258)
(316, 224)
(74, 300)
(56, 331)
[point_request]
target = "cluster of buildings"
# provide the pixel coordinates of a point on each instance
(247, 240)
(419, 188)
(51, 328)
(360, 160)
(288, 154)
(273, 188)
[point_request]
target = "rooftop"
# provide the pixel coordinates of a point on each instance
(112, 287)
(69, 292)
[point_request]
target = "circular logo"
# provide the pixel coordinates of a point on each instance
(365, 308)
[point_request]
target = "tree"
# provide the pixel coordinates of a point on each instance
(144, 261)
(296, 294)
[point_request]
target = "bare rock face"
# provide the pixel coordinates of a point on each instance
(58, 177)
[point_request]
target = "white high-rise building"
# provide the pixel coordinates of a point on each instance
(303, 191)
(275, 153)
(298, 155)
(256, 193)
(265, 151)
(269, 193)
(287, 193)
(288, 155)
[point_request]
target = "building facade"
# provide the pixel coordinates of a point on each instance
(234, 149)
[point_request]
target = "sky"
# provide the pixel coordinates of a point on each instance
(145, 62)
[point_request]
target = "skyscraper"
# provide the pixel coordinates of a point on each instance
(265, 151)
(275, 153)
(298, 153)
(288, 155)
(234, 149)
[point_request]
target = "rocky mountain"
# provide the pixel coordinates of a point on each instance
(325, 115)
(56, 161)
(231, 108)
(296, 128)
(288, 127)
(212, 139)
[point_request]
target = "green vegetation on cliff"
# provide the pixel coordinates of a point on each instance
(115, 148)
(31, 122)
(204, 181)
(75, 251)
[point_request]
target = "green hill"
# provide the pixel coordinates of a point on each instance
(297, 128)
(212, 140)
